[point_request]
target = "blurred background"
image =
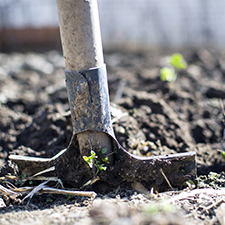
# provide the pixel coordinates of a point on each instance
(132, 24)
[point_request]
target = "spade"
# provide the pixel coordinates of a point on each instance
(94, 158)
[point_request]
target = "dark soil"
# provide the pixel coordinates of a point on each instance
(150, 117)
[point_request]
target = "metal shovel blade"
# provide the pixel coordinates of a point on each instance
(160, 172)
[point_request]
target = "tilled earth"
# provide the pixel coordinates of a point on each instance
(150, 117)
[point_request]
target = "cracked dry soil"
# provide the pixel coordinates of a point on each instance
(150, 117)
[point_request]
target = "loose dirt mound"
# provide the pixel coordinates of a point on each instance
(150, 116)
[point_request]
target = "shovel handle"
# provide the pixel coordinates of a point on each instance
(80, 34)
(82, 49)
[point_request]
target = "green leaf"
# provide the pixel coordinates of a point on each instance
(89, 159)
(68, 197)
(191, 182)
(93, 154)
(223, 155)
(49, 199)
(177, 61)
(24, 176)
(85, 158)
(105, 159)
(102, 167)
(168, 74)
(20, 182)
(104, 150)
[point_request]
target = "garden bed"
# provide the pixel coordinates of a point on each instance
(150, 117)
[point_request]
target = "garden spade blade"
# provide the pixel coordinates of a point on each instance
(94, 153)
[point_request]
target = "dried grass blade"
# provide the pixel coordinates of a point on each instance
(23, 190)
(56, 179)
(7, 191)
(48, 190)
(43, 171)
(35, 190)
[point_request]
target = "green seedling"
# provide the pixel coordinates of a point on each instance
(168, 74)
(69, 197)
(99, 167)
(23, 176)
(190, 184)
(176, 62)
(115, 150)
(20, 182)
(105, 159)
(22, 179)
(104, 150)
(133, 111)
(92, 160)
(223, 155)
(49, 199)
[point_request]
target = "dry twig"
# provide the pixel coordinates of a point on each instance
(168, 182)
(49, 190)
(35, 190)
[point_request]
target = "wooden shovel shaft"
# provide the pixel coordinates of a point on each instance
(82, 49)
(80, 34)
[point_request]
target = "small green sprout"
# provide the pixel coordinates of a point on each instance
(190, 184)
(115, 150)
(223, 155)
(89, 159)
(92, 160)
(22, 179)
(20, 182)
(49, 199)
(134, 111)
(99, 167)
(168, 74)
(69, 197)
(104, 150)
(23, 176)
(105, 159)
(176, 63)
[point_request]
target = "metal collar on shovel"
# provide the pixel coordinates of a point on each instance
(87, 88)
